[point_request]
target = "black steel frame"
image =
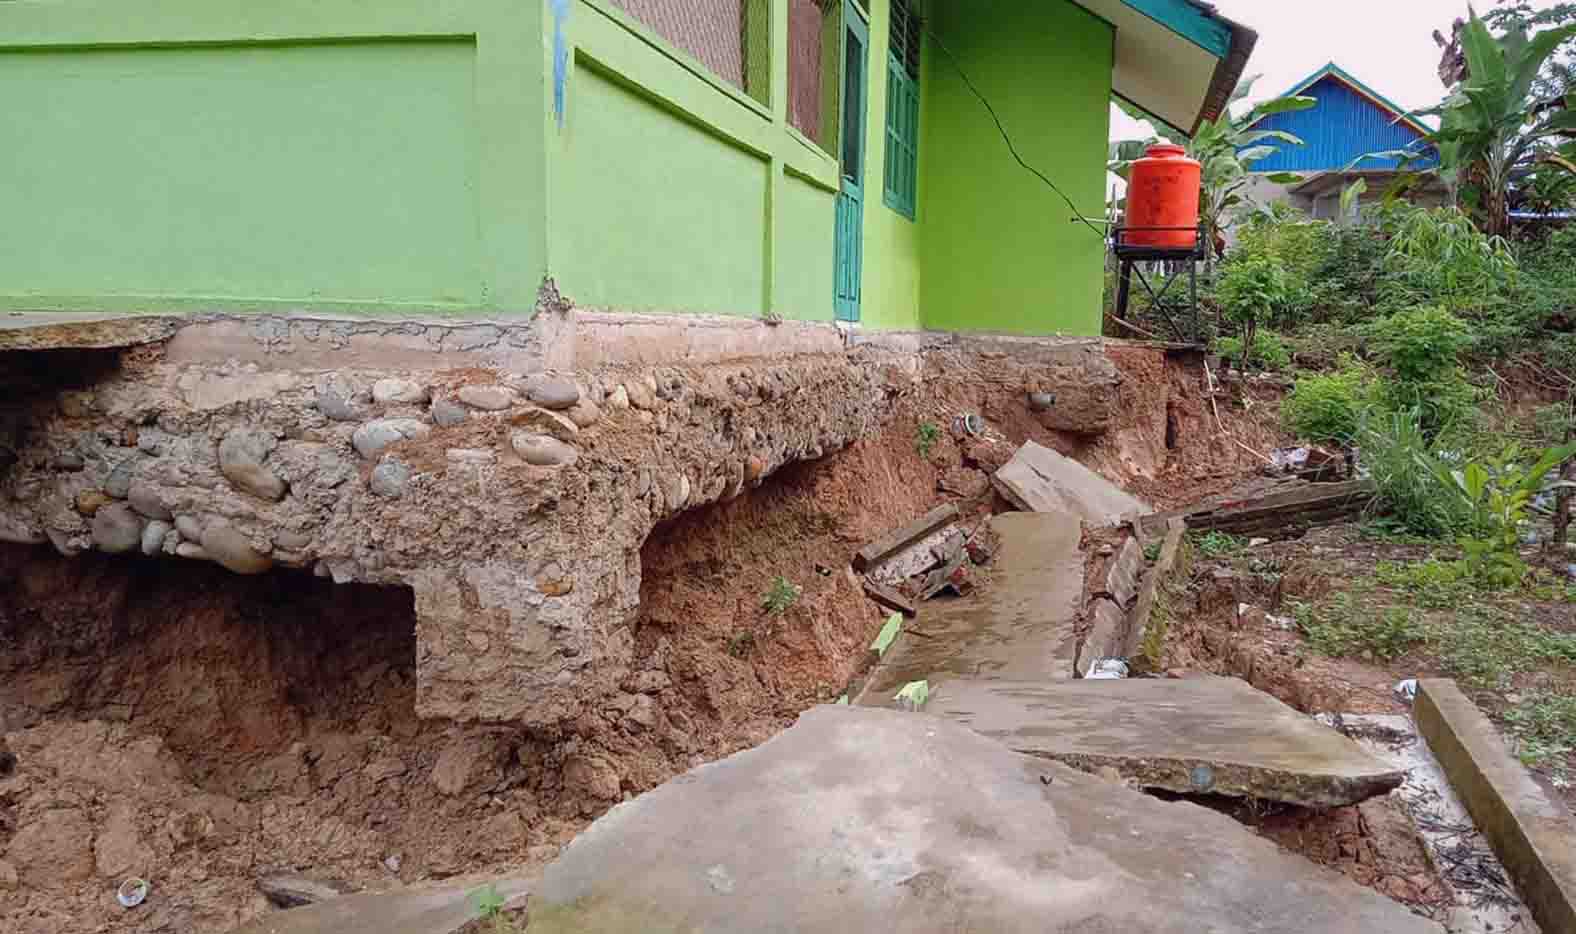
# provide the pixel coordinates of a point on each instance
(1128, 254)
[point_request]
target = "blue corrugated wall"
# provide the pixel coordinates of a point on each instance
(1343, 126)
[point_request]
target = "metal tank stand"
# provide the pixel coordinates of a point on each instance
(1187, 330)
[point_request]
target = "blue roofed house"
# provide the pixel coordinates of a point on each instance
(1350, 120)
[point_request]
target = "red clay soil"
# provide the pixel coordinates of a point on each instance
(199, 729)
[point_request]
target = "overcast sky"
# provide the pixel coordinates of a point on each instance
(1387, 44)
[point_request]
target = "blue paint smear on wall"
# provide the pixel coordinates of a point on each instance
(1343, 126)
(560, 58)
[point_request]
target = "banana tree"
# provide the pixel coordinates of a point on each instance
(1493, 129)
(1226, 147)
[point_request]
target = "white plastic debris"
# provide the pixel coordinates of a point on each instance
(1108, 669)
(132, 892)
(1406, 690)
(1282, 622)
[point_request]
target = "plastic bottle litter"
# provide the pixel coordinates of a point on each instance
(132, 892)
(1406, 690)
(1108, 669)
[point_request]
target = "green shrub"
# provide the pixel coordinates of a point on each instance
(1401, 462)
(1438, 256)
(1253, 291)
(1269, 350)
(1421, 348)
(1328, 407)
(925, 437)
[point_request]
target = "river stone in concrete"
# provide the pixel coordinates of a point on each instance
(1196, 735)
(118, 483)
(1020, 623)
(448, 414)
(117, 529)
(241, 456)
(153, 537)
(389, 479)
(370, 439)
(335, 406)
(385, 391)
(487, 398)
(874, 820)
(553, 392)
(234, 550)
(1038, 479)
(146, 499)
(542, 450)
(435, 909)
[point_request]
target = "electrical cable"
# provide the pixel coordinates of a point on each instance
(1000, 128)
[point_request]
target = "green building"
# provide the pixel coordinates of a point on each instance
(808, 159)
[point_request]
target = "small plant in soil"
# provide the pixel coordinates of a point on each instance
(780, 596)
(489, 904)
(740, 643)
(1152, 551)
(1219, 544)
(1431, 584)
(1545, 727)
(1486, 648)
(925, 437)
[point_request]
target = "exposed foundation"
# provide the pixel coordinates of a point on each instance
(508, 473)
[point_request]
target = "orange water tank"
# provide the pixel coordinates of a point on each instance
(1162, 191)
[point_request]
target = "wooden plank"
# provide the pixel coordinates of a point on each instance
(1306, 503)
(889, 598)
(894, 542)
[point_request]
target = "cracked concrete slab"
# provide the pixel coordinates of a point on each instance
(1038, 479)
(80, 331)
(440, 909)
(874, 820)
(1019, 622)
(1191, 736)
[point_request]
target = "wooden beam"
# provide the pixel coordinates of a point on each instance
(894, 542)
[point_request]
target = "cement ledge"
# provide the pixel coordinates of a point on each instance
(1534, 838)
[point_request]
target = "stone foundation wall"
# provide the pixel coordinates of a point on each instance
(479, 464)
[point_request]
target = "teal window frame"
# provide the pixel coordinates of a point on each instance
(900, 185)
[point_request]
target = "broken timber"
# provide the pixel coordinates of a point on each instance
(894, 542)
(1293, 507)
(889, 597)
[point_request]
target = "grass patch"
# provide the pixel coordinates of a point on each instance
(1544, 726)
(1431, 584)
(1485, 648)
(1219, 544)
(1342, 626)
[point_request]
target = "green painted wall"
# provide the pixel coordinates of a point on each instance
(185, 154)
(658, 215)
(672, 190)
(230, 173)
(892, 241)
(997, 246)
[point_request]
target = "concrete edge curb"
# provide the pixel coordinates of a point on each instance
(1533, 837)
(1138, 621)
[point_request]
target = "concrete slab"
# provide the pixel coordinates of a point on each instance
(1038, 479)
(1534, 837)
(874, 820)
(1020, 621)
(69, 330)
(1104, 638)
(1196, 735)
(417, 910)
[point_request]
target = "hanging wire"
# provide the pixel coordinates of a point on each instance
(1000, 128)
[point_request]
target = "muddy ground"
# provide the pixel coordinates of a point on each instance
(201, 730)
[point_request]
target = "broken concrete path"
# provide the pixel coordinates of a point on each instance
(82, 331)
(1196, 735)
(1020, 623)
(1038, 479)
(424, 910)
(874, 820)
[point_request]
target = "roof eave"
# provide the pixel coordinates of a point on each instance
(1228, 73)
